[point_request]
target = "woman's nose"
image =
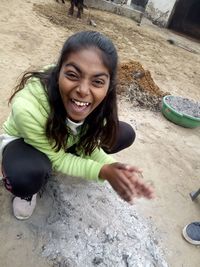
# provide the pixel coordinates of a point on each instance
(83, 88)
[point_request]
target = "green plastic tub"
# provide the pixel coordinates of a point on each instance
(177, 117)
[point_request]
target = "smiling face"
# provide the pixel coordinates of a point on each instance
(83, 83)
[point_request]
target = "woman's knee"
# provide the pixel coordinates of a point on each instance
(125, 138)
(127, 133)
(25, 168)
(26, 183)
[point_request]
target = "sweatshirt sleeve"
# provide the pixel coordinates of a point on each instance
(30, 123)
(102, 157)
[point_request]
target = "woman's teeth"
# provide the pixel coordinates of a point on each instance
(81, 104)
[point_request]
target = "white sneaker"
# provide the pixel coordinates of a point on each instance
(22, 208)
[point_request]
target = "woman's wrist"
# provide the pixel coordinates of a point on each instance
(103, 171)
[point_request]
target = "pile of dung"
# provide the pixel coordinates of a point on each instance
(138, 86)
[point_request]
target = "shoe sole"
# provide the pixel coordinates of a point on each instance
(188, 239)
(21, 218)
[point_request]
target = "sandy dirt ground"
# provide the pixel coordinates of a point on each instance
(32, 33)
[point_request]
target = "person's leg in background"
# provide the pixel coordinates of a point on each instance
(25, 170)
(125, 138)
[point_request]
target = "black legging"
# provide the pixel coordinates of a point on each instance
(26, 169)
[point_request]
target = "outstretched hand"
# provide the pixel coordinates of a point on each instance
(127, 181)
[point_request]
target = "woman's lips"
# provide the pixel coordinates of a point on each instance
(79, 106)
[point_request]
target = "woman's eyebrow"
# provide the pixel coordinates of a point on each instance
(71, 64)
(74, 66)
(102, 74)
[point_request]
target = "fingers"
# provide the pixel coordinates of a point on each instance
(127, 181)
(142, 188)
(133, 169)
(126, 197)
(125, 190)
(127, 167)
(123, 186)
(137, 187)
(130, 189)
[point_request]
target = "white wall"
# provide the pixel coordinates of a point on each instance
(160, 10)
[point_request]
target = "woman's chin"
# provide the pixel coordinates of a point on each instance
(76, 118)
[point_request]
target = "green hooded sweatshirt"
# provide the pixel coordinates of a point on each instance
(27, 120)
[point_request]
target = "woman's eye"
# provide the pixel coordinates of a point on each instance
(71, 75)
(98, 83)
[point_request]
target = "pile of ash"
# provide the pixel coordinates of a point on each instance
(184, 105)
(138, 86)
(89, 225)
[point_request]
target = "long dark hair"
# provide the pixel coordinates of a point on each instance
(100, 127)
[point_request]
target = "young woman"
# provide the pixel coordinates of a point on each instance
(65, 118)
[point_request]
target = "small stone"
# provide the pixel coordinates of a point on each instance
(92, 23)
(97, 260)
(19, 236)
